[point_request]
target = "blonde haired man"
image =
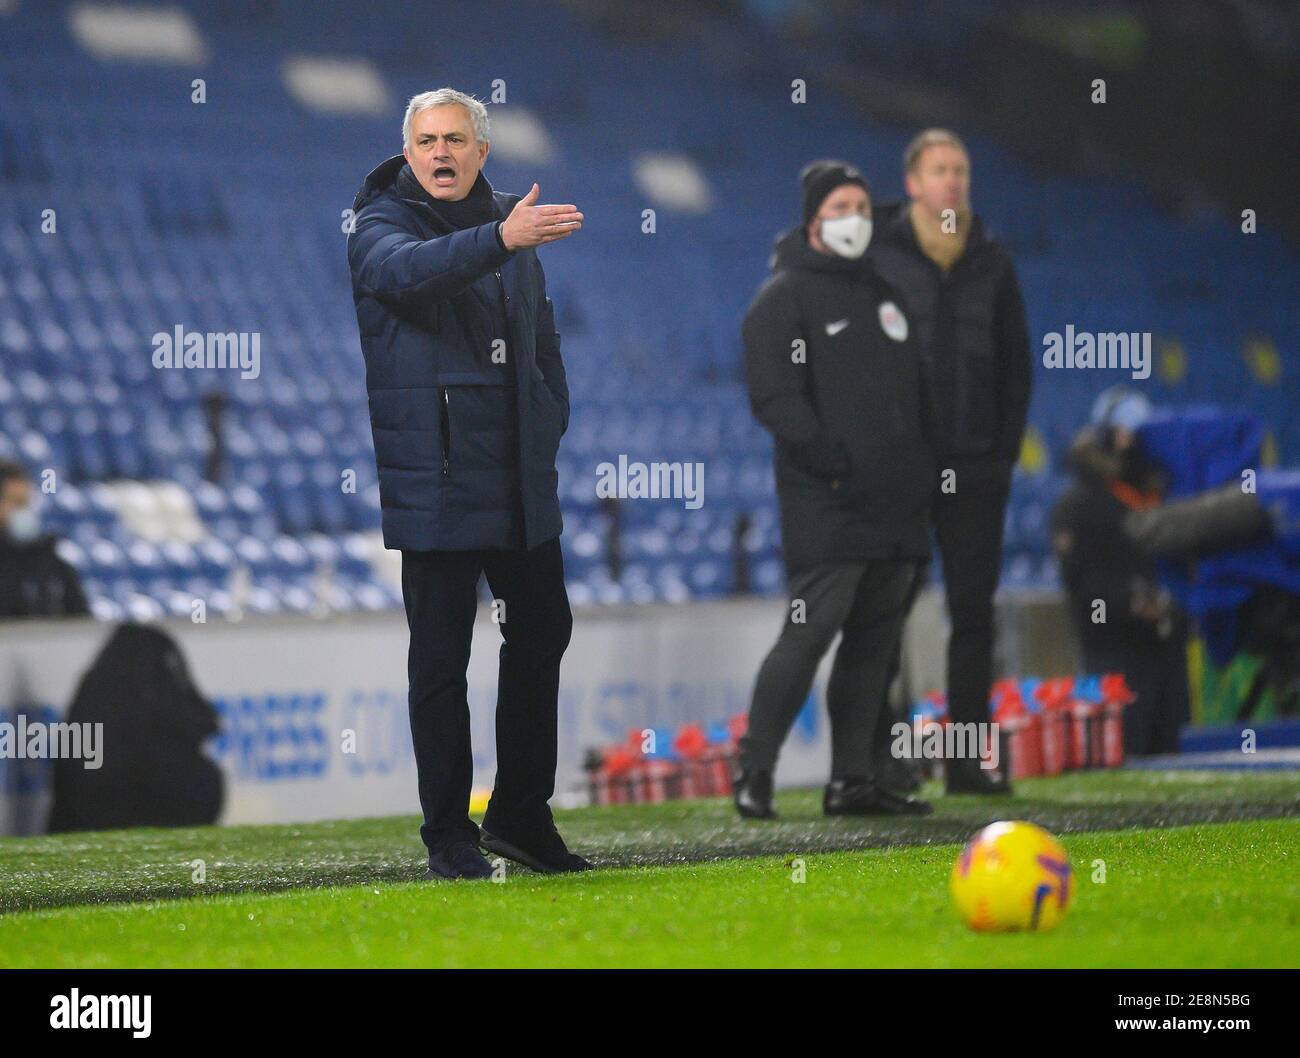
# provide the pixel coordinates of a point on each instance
(964, 300)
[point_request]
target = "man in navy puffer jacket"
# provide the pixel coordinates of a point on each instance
(468, 402)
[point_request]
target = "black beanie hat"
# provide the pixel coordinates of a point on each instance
(820, 178)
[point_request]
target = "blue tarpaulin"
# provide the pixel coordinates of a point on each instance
(1203, 448)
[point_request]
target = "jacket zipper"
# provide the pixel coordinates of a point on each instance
(445, 423)
(505, 312)
(505, 309)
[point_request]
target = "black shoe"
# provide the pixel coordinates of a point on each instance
(967, 777)
(753, 795)
(460, 859)
(861, 797)
(542, 850)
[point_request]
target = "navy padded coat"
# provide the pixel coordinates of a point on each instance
(425, 297)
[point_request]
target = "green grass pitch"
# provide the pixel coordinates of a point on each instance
(1200, 870)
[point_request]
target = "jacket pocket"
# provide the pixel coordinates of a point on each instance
(549, 399)
(548, 421)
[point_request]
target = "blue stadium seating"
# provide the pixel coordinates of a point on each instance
(227, 216)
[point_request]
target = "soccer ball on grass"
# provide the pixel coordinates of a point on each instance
(1012, 876)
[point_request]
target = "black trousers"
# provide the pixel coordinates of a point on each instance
(440, 590)
(867, 601)
(1156, 671)
(968, 526)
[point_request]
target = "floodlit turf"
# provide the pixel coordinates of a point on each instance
(1198, 896)
(685, 884)
(118, 866)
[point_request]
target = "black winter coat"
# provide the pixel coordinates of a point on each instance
(854, 473)
(36, 582)
(970, 326)
(454, 472)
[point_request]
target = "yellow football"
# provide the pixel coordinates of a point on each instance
(1011, 876)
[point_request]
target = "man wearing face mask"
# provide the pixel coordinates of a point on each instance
(834, 374)
(34, 580)
(962, 291)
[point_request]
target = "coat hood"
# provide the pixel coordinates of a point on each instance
(377, 181)
(382, 180)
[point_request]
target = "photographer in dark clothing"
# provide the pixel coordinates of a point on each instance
(1125, 621)
(155, 720)
(964, 299)
(34, 580)
(833, 373)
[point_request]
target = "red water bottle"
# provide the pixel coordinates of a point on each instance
(1024, 740)
(696, 776)
(1115, 695)
(1085, 732)
(616, 787)
(1051, 696)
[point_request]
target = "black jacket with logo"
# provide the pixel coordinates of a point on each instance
(854, 473)
(970, 326)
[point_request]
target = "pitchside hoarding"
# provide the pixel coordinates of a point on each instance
(291, 690)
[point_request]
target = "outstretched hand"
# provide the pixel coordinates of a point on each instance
(532, 225)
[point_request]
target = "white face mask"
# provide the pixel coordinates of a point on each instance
(24, 525)
(847, 236)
